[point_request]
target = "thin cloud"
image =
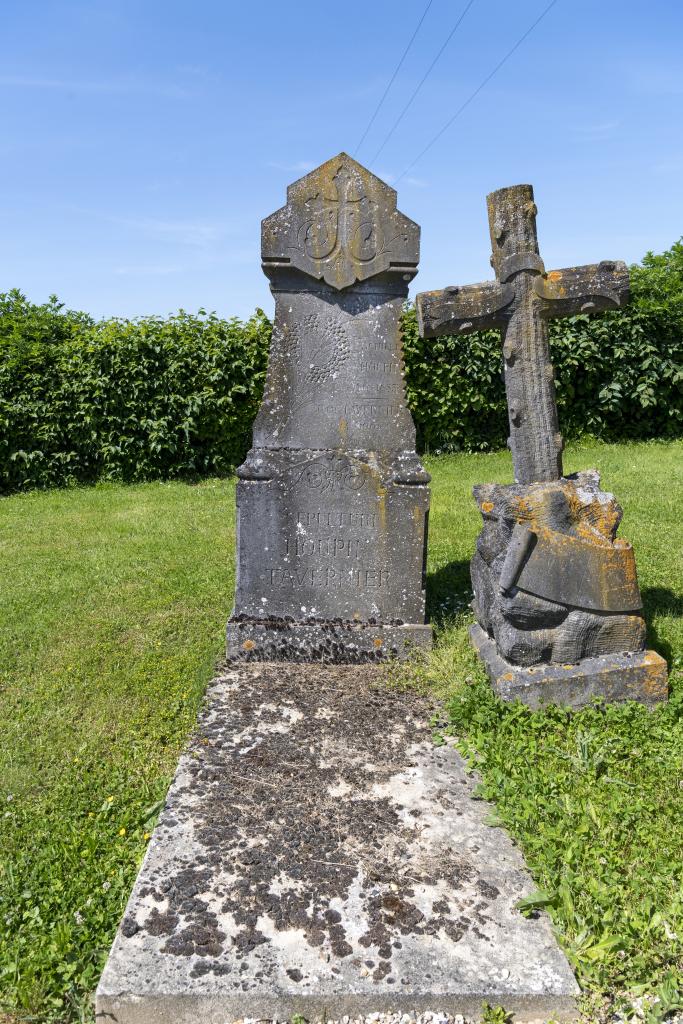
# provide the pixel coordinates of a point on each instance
(672, 165)
(407, 179)
(300, 167)
(114, 86)
(146, 271)
(200, 73)
(655, 80)
(415, 182)
(196, 233)
(599, 130)
(185, 232)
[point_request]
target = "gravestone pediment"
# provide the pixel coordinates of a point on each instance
(341, 225)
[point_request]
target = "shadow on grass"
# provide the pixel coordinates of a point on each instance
(449, 590)
(660, 601)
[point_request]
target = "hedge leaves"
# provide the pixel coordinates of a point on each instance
(84, 400)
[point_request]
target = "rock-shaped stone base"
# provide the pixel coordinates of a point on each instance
(552, 581)
(640, 676)
(319, 855)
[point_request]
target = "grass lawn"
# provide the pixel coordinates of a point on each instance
(111, 619)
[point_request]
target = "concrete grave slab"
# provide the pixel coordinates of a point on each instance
(319, 855)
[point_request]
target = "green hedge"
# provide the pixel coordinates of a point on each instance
(124, 399)
(82, 400)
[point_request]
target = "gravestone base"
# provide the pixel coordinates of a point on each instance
(318, 855)
(338, 642)
(639, 676)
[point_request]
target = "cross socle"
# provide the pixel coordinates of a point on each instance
(519, 303)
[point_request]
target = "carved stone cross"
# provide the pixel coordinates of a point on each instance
(519, 303)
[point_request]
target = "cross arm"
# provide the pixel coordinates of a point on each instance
(589, 289)
(455, 310)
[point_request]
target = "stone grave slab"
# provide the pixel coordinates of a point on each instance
(317, 854)
(332, 498)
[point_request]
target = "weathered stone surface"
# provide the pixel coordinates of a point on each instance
(553, 585)
(519, 303)
(640, 676)
(340, 642)
(552, 581)
(332, 499)
(318, 855)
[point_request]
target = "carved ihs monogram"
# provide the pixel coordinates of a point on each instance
(341, 224)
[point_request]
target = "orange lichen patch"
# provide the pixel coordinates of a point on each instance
(586, 532)
(554, 275)
(630, 570)
(377, 642)
(655, 677)
(382, 511)
(508, 677)
(560, 503)
(487, 506)
(248, 645)
(523, 510)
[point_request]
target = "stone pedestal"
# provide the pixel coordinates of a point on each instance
(332, 499)
(612, 677)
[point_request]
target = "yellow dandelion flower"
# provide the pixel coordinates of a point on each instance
(122, 831)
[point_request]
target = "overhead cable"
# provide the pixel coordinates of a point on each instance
(476, 92)
(392, 79)
(422, 82)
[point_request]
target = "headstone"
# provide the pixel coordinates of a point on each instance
(318, 855)
(332, 499)
(556, 596)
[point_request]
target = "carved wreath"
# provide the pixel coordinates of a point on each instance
(321, 347)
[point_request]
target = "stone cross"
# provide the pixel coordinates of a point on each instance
(519, 303)
(332, 498)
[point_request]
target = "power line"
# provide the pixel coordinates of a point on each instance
(476, 91)
(421, 83)
(391, 81)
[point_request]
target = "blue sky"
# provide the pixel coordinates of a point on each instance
(142, 142)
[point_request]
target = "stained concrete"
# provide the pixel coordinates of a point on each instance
(318, 855)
